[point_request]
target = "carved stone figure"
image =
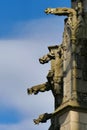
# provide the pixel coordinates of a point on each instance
(39, 88)
(74, 20)
(61, 11)
(71, 13)
(43, 118)
(47, 58)
(55, 75)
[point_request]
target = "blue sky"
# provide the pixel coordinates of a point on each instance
(25, 33)
(14, 11)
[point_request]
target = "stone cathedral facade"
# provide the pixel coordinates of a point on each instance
(67, 77)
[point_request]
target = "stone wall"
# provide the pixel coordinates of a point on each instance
(73, 120)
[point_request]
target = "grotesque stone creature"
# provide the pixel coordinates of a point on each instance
(55, 75)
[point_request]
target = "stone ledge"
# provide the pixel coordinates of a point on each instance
(70, 105)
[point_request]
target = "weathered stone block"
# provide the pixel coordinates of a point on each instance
(83, 118)
(73, 120)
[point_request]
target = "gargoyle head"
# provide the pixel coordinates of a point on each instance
(48, 10)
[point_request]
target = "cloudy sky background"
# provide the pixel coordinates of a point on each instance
(25, 33)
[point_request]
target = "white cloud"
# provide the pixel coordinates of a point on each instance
(18, 66)
(20, 69)
(46, 31)
(24, 125)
